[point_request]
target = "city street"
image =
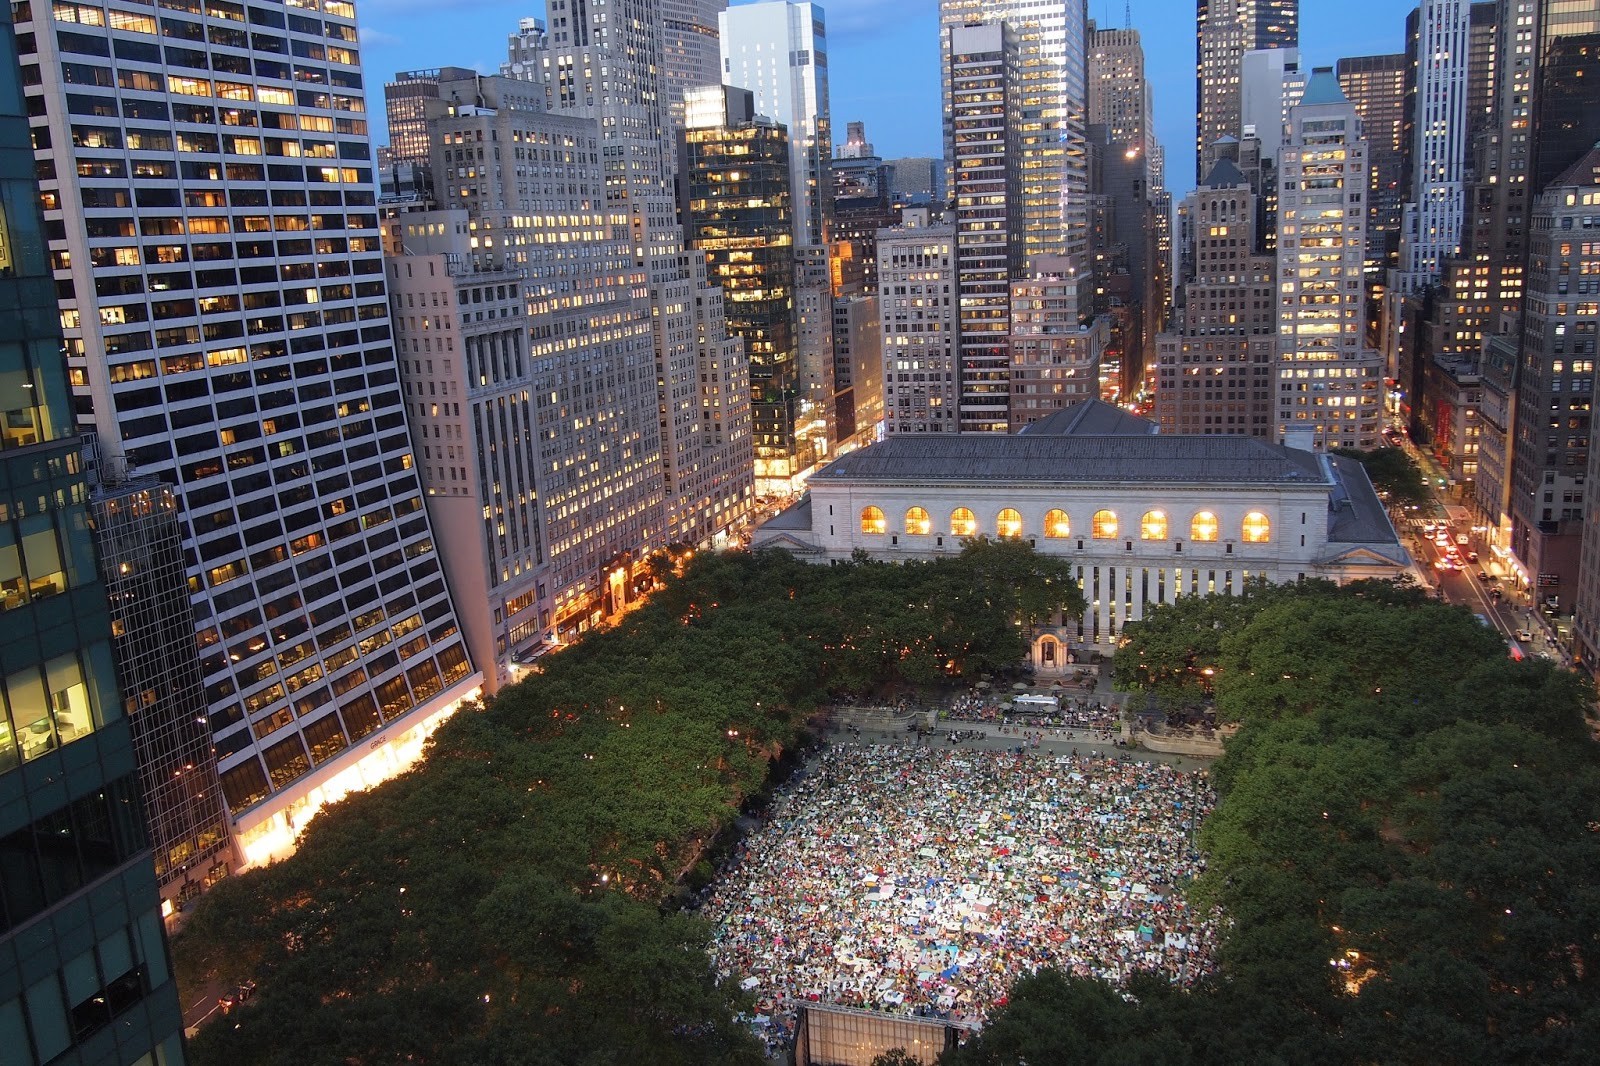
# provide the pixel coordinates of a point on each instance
(1512, 613)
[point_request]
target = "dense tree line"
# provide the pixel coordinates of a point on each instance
(1406, 847)
(508, 900)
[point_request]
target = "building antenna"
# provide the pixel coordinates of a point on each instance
(1127, 15)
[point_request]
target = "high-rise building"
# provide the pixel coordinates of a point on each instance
(1271, 82)
(1056, 341)
(691, 50)
(1051, 38)
(405, 104)
(1555, 383)
(814, 352)
(1430, 230)
(917, 289)
(737, 212)
(1328, 380)
(84, 972)
(509, 383)
(982, 69)
(1214, 370)
(139, 538)
(857, 355)
(1375, 87)
(1545, 119)
(622, 92)
(861, 203)
(1125, 173)
(778, 49)
(1224, 31)
(232, 337)
(917, 181)
(1119, 92)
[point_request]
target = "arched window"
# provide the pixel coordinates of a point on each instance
(1153, 526)
(1057, 524)
(1008, 523)
(1105, 525)
(963, 523)
(1257, 528)
(918, 524)
(1203, 526)
(873, 521)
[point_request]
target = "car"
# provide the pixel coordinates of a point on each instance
(1495, 594)
(1445, 564)
(1483, 575)
(1472, 557)
(1524, 635)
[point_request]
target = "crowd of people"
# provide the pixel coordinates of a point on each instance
(924, 881)
(1068, 713)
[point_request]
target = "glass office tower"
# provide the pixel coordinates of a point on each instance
(84, 973)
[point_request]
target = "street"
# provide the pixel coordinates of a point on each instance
(1510, 613)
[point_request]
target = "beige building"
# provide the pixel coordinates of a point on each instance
(533, 417)
(1214, 370)
(917, 308)
(1056, 341)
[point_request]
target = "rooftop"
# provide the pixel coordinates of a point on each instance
(1068, 458)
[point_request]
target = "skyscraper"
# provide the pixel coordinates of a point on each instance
(916, 289)
(736, 212)
(1224, 31)
(1056, 341)
(1555, 384)
(691, 50)
(1051, 38)
(227, 328)
(1546, 117)
(538, 442)
(84, 975)
(139, 537)
(1328, 380)
(1214, 370)
(1375, 87)
(622, 93)
(1430, 230)
(405, 106)
(778, 50)
(982, 69)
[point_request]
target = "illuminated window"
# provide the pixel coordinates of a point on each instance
(963, 523)
(1105, 525)
(1056, 524)
(1257, 529)
(918, 523)
(1008, 523)
(1153, 526)
(872, 521)
(1203, 526)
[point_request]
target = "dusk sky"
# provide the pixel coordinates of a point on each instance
(883, 57)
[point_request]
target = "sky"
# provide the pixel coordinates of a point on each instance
(883, 57)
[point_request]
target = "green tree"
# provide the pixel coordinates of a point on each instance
(1393, 474)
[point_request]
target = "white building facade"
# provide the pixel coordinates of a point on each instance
(1142, 518)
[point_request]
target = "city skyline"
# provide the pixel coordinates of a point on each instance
(898, 101)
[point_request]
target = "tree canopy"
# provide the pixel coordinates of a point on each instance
(1405, 848)
(507, 900)
(1392, 472)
